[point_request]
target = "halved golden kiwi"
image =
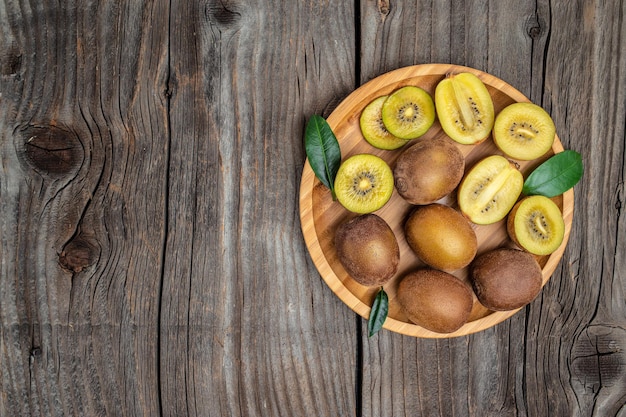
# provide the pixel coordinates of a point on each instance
(364, 183)
(464, 107)
(524, 131)
(408, 112)
(489, 190)
(536, 225)
(374, 130)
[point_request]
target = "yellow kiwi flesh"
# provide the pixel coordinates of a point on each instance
(441, 237)
(490, 190)
(364, 183)
(524, 131)
(373, 129)
(408, 112)
(536, 225)
(464, 108)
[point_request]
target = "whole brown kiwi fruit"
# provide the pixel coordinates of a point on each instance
(441, 237)
(506, 279)
(435, 300)
(428, 171)
(368, 249)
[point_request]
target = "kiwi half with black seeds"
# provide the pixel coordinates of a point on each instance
(364, 183)
(408, 112)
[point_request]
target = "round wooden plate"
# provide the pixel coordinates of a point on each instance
(320, 215)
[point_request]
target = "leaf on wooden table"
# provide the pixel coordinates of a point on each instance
(378, 314)
(322, 149)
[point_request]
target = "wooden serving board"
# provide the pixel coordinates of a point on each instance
(320, 215)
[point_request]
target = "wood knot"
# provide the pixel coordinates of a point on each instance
(383, 8)
(599, 358)
(50, 150)
(11, 61)
(222, 13)
(78, 254)
(534, 27)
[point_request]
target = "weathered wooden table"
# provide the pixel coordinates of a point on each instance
(152, 261)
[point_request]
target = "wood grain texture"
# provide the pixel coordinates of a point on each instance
(152, 262)
(246, 322)
(82, 207)
(564, 354)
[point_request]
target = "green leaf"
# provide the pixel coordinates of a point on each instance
(378, 315)
(556, 175)
(323, 151)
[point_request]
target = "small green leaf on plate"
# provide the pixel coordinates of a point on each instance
(556, 175)
(322, 149)
(378, 315)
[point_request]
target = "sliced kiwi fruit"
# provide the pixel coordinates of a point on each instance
(368, 250)
(490, 190)
(374, 130)
(524, 131)
(364, 183)
(506, 279)
(464, 108)
(536, 224)
(428, 170)
(435, 300)
(408, 112)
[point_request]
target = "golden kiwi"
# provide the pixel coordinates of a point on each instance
(428, 171)
(464, 107)
(435, 300)
(536, 225)
(441, 237)
(373, 128)
(506, 279)
(408, 112)
(524, 131)
(490, 190)
(364, 183)
(368, 249)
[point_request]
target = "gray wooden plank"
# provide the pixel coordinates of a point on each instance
(248, 326)
(82, 155)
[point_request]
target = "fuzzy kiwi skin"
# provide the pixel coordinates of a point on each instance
(368, 249)
(428, 171)
(435, 300)
(441, 237)
(506, 279)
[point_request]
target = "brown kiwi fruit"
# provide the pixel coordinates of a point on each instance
(506, 279)
(368, 249)
(435, 300)
(524, 131)
(374, 130)
(428, 171)
(536, 224)
(408, 112)
(441, 237)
